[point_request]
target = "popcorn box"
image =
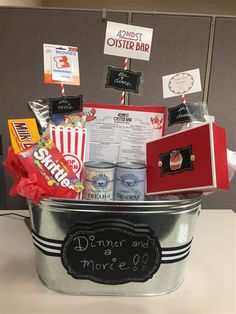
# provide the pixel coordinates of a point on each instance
(189, 160)
(23, 133)
(71, 142)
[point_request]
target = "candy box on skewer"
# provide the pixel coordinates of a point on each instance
(190, 160)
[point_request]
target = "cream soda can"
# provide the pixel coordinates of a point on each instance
(98, 180)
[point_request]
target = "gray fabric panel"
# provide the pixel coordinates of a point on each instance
(180, 43)
(222, 98)
(22, 33)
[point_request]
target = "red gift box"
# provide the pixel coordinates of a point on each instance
(190, 160)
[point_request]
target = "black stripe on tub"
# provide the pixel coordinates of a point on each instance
(47, 245)
(174, 260)
(177, 247)
(175, 254)
(174, 257)
(163, 249)
(46, 252)
(46, 239)
(58, 254)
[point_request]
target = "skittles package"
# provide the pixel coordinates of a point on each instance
(47, 163)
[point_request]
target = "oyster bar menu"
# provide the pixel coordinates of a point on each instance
(118, 133)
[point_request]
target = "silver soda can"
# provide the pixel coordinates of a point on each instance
(130, 181)
(98, 180)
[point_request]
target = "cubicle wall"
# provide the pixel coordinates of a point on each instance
(180, 42)
(222, 97)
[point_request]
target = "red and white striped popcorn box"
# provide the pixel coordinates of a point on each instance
(71, 142)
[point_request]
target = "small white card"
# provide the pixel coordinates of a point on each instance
(181, 83)
(61, 65)
(128, 41)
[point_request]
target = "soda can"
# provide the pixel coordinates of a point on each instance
(130, 181)
(98, 180)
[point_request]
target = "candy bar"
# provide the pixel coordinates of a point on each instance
(40, 109)
(55, 109)
(23, 133)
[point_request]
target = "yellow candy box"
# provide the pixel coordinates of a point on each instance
(23, 133)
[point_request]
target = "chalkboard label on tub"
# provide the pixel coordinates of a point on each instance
(111, 252)
(124, 80)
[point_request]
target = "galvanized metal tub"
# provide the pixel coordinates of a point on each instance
(113, 248)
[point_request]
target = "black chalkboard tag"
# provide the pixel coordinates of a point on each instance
(124, 80)
(111, 252)
(177, 160)
(184, 113)
(65, 105)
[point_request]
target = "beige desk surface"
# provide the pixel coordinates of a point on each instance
(209, 287)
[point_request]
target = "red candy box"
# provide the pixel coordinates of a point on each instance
(41, 171)
(51, 168)
(190, 160)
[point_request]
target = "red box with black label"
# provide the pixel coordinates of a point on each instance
(189, 160)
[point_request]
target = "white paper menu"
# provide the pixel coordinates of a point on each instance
(119, 133)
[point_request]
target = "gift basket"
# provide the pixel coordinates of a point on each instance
(114, 201)
(113, 228)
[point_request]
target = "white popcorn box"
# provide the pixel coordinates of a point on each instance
(71, 142)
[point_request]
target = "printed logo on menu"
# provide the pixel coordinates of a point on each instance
(122, 118)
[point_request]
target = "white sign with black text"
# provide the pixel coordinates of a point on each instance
(181, 83)
(129, 41)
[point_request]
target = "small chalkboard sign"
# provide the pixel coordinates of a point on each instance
(184, 113)
(65, 105)
(177, 160)
(124, 80)
(111, 252)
